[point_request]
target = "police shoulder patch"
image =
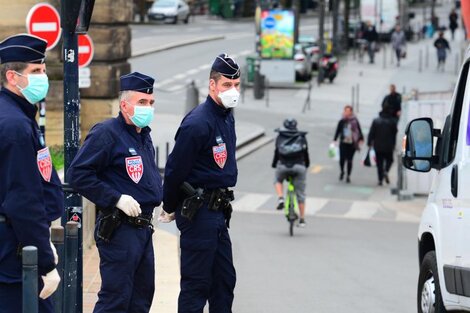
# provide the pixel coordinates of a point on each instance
(44, 162)
(219, 153)
(135, 168)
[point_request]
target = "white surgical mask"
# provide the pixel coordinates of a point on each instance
(229, 98)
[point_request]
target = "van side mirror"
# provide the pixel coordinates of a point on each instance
(418, 145)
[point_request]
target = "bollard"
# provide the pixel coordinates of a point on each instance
(70, 269)
(420, 63)
(258, 88)
(30, 279)
(192, 96)
(57, 238)
(456, 70)
(353, 98)
(357, 98)
(426, 57)
(384, 63)
(266, 87)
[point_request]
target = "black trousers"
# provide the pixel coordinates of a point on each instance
(346, 155)
(384, 163)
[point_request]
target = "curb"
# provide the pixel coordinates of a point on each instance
(176, 45)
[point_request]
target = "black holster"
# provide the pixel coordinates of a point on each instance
(108, 224)
(220, 201)
(193, 201)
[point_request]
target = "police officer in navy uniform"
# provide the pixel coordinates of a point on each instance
(31, 194)
(204, 158)
(115, 169)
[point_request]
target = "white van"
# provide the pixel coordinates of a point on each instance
(444, 231)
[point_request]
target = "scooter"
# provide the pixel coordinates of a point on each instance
(329, 66)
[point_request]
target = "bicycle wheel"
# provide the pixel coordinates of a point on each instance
(291, 218)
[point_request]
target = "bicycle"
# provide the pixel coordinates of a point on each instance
(291, 205)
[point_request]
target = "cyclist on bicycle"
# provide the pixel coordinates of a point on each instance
(291, 159)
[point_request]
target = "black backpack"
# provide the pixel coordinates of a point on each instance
(291, 146)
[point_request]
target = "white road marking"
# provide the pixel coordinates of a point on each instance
(362, 210)
(250, 202)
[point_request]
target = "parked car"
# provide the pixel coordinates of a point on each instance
(303, 63)
(169, 11)
(312, 48)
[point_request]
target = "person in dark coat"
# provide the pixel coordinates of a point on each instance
(31, 195)
(198, 174)
(294, 164)
(382, 137)
(115, 169)
(371, 36)
(442, 45)
(453, 22)
(350, 137)
(391, 103)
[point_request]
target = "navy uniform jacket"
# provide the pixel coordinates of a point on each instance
(204, 152)
(116, 160)
(28, 201)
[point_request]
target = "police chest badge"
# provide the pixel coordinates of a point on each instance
(44, 163)
(135, 168)
(220, 154)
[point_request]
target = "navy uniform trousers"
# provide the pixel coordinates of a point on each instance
(207, 271)
(127, 271)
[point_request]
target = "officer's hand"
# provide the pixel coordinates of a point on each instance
(128, 205)
(51, 281)
(54, 251)
(165, 217)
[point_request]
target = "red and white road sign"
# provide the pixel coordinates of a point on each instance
(43, 21)
(85, 50)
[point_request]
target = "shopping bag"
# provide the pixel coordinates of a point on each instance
(369, 158)
(403, 53)
(333, 151)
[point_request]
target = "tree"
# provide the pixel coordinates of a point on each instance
(347, 11)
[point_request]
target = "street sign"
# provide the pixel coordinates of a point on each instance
(85, 50)
(43, 21)
(84, 80)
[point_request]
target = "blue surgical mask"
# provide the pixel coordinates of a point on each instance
(143, 116)
(37, 88)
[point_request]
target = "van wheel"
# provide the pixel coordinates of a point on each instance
(429, 290)
(175, 20)
(186, 20)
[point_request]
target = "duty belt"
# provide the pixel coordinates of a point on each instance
(140, 221)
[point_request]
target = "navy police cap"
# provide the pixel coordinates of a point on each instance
(137, 82)
(226, 66)
(23, 48)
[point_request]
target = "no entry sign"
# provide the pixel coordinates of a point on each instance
(43, 21)
(85, 50)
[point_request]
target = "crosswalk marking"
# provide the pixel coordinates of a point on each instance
(265, 203)
(362, 210)
(249, 202)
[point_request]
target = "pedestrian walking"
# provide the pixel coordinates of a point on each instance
(442, 45)
(398, 41)
(199, 171)
(350, 138)
(291, 159)
(31, 195)
(115, 169)
(391, 103)
(453, 22)
(382, 137)
(371, 36)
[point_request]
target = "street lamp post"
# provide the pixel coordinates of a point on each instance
(321, 40)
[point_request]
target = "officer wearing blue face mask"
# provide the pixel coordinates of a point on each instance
(115, 169)
(31, 194)
(198, 173)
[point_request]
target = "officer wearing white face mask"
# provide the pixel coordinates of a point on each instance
(115, 169)
(31, 195)
(204, 158)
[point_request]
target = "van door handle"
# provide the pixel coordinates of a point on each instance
(454, 180)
